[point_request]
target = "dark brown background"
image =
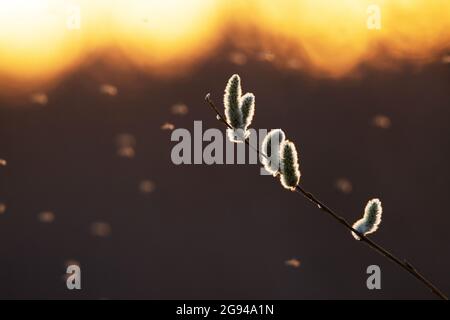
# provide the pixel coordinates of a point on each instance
(224, 232)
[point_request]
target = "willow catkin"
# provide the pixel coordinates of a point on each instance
(290, 172)
(371, 219)
(270, 149)
(239, 110)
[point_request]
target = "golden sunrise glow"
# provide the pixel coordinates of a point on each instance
(331, 37)
(154, 32)
(33, 39)
(321, 37)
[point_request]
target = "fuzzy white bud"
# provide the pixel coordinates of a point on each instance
(247, 105)
(290, 172)
(371, 220)
(239, 110)
(270, 149)
(231, 101)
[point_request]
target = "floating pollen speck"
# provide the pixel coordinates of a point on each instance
(147, 186)
(109, 89)
(266, 56)
(446, 59)
(46, 217)
(344, 185)
(294, 64)
(126, 145)
(238, 58)
(3, 163)
(294, 263)
(382, 121)
(71, 262)
(39, 98)
(126, 152)
(167, 126)
(179, 109)
(2, 208)
(100, 229)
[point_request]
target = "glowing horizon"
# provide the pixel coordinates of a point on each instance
(321, 37)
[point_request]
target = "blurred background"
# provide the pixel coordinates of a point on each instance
(90, 92)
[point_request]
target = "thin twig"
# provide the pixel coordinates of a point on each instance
(403, 264)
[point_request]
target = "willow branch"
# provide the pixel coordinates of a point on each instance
(319, 204)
